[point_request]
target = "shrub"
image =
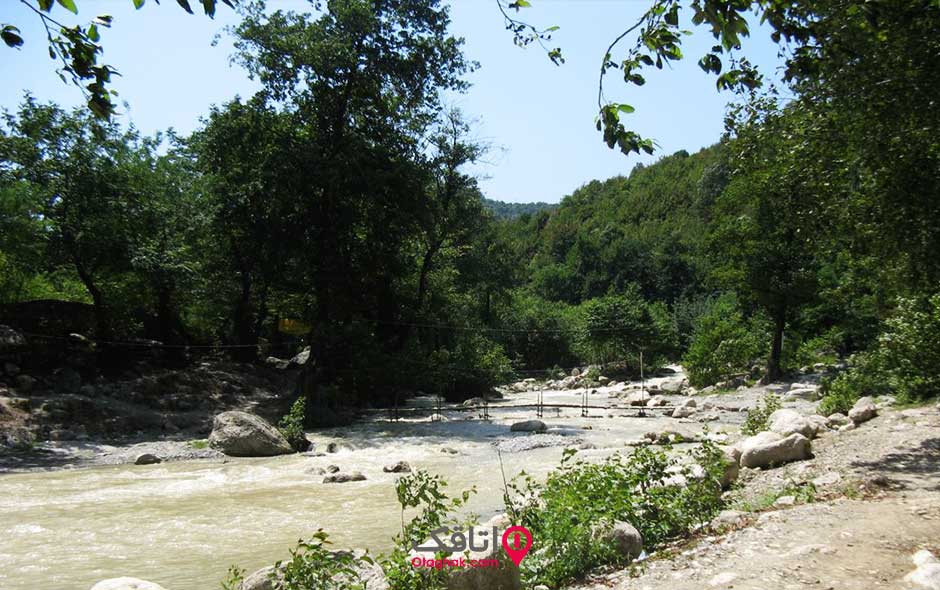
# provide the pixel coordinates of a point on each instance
(565, 512)
(292, 425)
(904, 362)
(724, 344)
(758, 418)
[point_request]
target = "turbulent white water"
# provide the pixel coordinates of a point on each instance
(182, 524)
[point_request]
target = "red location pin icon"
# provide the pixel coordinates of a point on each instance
(517, 540)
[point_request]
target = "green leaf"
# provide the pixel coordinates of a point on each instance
(45, 5)
(625, 108)
(552, 29)
(93, 33)
(10, 36)
(68, 5)
(185, 5)
(209, 7)
(138, 3)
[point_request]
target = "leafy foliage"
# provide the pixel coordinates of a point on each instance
(566, 511)
(292, 425)
(758, 417)
(724, 343)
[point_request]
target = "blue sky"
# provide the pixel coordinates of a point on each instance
(538, 117)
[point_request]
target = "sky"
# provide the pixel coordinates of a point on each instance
(537, 118)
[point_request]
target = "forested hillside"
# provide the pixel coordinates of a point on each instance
(504, 210)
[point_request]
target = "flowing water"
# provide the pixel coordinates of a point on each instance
(182, 524)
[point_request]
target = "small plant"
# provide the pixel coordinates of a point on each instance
(758, 418)
(200, 444)
(803, 493)
(313, 567)
(234, 578)
(292, 425)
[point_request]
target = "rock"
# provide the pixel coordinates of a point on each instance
(473, 401)
(847, 427)
(728, 519)
(438, 418)
(22, 404)
(684, 411)
(885, 401)
(332, 447)
(147, 459)
(603, 380)
(400, 467)
(623, 537)
(126, 584)
(10, 339)
(529, 426)
(731, 472)
(786, 422)
(344, 477)
(810, 394)
(927, 574)
(656, 402)
(767, 449)
(332, 468)
(576, 372)
(264, 579)
(836, 420)
(723, 579)
(638, 398)
(276, 363)
(24, 383)
(827, 479)
(863, 411)
(11, 369)
(450, 451)
(241, 434)
(785, 501)
(301, 358)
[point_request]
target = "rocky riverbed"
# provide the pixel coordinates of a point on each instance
(181, 522)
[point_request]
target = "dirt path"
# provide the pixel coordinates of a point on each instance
(891, 466)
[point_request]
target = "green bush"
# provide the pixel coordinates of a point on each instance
(758, 418)
(292, 425)
(724, 344)
(905, 361)
(565, 512)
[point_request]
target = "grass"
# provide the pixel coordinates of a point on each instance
(200, 444)
(804, 494)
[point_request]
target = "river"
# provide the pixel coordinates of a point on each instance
(183, 524)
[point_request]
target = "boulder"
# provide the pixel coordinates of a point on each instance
(767, 449)
(10, 339)
(625, 539)
(473, 401)
(786, 422)
(126, 584)
(344, 477)
(276, 363)
(731, 472)
(810, 394)
(400, 467)
(529, 426)
(685, 408)
(638, 398)
(728, 519)
(656, 401)
(927, 574)
(263, 579)
(836, 420)
(301, 358)
(147, 459)
(863, 410)
(241, 434)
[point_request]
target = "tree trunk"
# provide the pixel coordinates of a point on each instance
(776, 346)
(245, 336)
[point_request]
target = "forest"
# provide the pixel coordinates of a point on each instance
(334, 210)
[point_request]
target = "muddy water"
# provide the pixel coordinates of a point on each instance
(182, 524)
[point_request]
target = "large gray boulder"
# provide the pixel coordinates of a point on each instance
(241, 434)
(263, 579)
(623, 536)
(529, 426)
(863, 410)
(126, 584)
(769, 449)
(786, 422)
(344, 477)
